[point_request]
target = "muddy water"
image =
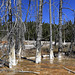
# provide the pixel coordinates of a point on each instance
(45, 68)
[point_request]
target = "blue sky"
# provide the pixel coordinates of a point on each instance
(69, 15)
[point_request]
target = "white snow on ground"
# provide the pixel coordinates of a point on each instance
(32, 44)
(29, 46)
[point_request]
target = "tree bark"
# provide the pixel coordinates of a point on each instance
(54, 23)
(6, 15)
(39, 34)
(12, 59)
(26, 18)
(60, 30)
(51, 48)
(74, 28)
(20, 28)
(64, 31)
(37, 16)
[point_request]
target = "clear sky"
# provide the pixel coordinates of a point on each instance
(69, 15)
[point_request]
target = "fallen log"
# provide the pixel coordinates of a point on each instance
(28, 72)
(69, 70)
(19, 71)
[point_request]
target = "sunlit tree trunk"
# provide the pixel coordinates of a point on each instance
(60, 31)
(20, 30)
(20, 27)
(36, 15)
(51, 48)
(6, 15)
(12, 59)
(74, 28)
(64, 32)
(39, 34)
(16, 30)
(54, 23)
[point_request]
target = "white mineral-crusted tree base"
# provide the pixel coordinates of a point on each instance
(38, 57)
(19, 54)
(51, 61)
(12, 57)
(59, 57)
(51, 56)
(10, 61)
(64, 43)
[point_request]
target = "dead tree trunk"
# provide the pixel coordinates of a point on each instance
(19, 27)
(60, 30)
(54, 23)
(27, 11)
(16, 30)
(51, 48)
(36, 15)
(22, 31)
(39, 34)
(74, 28)
(12, 58)
(6, 15)
(64, 31)
(26, 18)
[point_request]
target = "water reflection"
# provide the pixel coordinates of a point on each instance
(46, 67)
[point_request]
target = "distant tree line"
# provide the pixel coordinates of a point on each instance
(31, 31)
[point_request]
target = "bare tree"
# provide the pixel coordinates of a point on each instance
(37, 15)
(74, 28)
(39, 34)
(6, 15)
(27, 11)
(51, 48)
(12, 59)
(60, 30)
(19, 27)
(64, 31)
(54, 23)
(26, 18)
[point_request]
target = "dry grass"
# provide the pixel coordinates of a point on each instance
(3, 42)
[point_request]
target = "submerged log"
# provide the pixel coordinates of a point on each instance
(19, 71)
(69, 70)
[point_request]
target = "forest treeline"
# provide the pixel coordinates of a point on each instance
(67, 31)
